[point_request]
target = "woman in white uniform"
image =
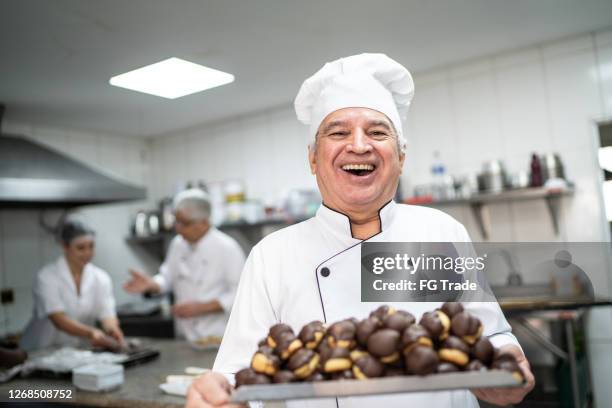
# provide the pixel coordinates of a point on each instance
(70, 296)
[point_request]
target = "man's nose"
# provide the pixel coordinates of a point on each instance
(360, 143)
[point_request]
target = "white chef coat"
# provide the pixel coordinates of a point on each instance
(202, 272)
(282, 282)
(55, 291)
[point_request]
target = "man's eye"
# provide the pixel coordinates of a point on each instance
(338, 134)
(378, 133)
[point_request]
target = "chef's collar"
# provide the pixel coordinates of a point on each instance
(340, 223)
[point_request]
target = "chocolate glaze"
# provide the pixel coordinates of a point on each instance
(434, 323)
(284, 376)
(383, 343)
(365, 328)
(484, 351)
(451, 308)
(421, 360)
(466, 326)
(398, 321)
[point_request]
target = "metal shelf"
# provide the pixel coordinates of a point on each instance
(247, 234)
(478, 203)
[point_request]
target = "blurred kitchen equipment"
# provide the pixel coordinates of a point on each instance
(514, 276)
(140, 228)
(153, 223)
(493, 177)
(520, 179)
(98, 377)
(166, 214)
(535, 175)
(234, 191)
(552, 167)
(301, 204)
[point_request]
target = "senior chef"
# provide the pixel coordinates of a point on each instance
(310, 271)
(202, 269)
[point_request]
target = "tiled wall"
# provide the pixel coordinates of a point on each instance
(25, 247)
(544, 98)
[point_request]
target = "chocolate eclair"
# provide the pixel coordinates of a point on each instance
(382, 311)
(384, 344)
(454, 350)
(312, 334)
(365, 328)
(342, 334)
(286, 344)
(421, 360)
(437, 324)
(303, 363)
(398, 321)
(284, 376)
(275, 331)
(467, 327)
(366, 366)
(508, 363)
(451, 308)
(264, 361)
(248, 376)
(483, 351)
(415, 335)
(337, 359)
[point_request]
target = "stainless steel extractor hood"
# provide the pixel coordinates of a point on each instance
(35, 175)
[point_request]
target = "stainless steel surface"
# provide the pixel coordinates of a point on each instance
(392, 385)
(493, 177)
(141, 386)
(552, 167)
(33, 174)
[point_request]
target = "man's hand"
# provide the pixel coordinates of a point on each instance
(140, 283)
(210, 390)
(506, 396)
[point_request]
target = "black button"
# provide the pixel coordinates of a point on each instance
(325, 272)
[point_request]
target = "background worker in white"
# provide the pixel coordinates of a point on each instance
(70, 296)
(202, 269)
(311, 271)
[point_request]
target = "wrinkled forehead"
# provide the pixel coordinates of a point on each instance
(351, 117)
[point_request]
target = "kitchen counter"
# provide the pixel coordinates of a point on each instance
(141, 385)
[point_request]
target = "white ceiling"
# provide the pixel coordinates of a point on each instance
(57, 56)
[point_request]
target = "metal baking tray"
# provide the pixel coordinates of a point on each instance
(373, 386)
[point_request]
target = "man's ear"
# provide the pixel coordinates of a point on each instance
(402, 157)
(312, 160)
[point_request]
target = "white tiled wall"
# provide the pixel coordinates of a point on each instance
(25, 247)
(544, 98)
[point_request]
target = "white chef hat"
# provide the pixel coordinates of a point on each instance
(372, 81)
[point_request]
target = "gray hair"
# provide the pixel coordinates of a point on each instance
(194, 202)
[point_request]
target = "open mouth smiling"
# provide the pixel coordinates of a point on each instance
(359, 169)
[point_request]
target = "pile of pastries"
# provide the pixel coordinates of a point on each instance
(387, 343)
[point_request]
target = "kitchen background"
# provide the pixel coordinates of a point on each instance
(546, 97)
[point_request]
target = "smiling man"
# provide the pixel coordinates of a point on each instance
(311, 271)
